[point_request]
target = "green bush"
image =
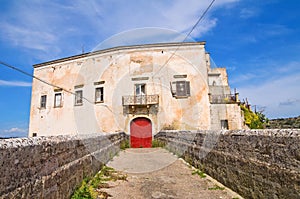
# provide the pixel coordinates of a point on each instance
(157, 143)
(87, 189)
(124, 144)
(254, 120)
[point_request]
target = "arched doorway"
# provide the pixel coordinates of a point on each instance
(140, 133)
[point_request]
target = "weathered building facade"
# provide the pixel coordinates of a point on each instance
(137, 89)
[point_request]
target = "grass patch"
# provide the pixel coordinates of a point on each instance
(90, 188)
(158, 143)
(188, 159)
(85, 191)
(124, 144)
(175, 125)
(199, 173)
(216, 187)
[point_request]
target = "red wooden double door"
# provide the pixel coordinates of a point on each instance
(140, 133)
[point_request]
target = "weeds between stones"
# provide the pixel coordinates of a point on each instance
(90, 188)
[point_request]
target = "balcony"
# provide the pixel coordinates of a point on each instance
(142, 100)
(223, 99)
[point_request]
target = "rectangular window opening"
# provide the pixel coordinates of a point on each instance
(99, 95)
(58, 100)
(43, 101)
(224, 124)
(180, 89)
(78, 97)
(140, 89)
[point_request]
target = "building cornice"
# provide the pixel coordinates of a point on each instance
(157, 45)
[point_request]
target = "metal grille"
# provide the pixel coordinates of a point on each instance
(222, 99)
(140, 100)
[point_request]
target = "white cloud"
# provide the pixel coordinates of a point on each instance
(51, 27)
(243, 78)
(16, 130)
(248, 13)
(290, 102)
(14, 83)
(28, 38)
(13, 132)
(279, 95)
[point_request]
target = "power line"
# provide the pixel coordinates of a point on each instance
(41, 80)
(28, 74)
(202, 16)
(50, 84)
(59, 87)
(190, 32)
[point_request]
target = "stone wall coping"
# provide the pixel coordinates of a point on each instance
(255, 163)
(255, 132)
(32, 141)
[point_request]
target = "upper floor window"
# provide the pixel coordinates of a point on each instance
(180, 89)
(43, 101)
(78, 97)
(140, 89)
(58, 100)
(99, 94)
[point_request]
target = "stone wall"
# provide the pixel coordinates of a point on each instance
(52, 167)
(254, 163)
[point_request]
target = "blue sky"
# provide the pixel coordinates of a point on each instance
(258, 42)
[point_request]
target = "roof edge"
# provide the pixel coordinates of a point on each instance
(116, 49)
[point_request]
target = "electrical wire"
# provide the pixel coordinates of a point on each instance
(70, 92)
(53, 85)
(190, 32)
(41, 80)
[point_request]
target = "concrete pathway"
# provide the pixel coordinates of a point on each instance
(156, 173)
(142, 160)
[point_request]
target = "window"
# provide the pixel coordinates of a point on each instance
(99, 94)
(78, 98)
(43, 101)
(58, 100)
(224, 124)
(140, 89)
(180, 89)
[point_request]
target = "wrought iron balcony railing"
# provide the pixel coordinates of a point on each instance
(140, 100)
(223, 99)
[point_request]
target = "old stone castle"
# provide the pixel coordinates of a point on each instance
(138, 89)
(143, 92)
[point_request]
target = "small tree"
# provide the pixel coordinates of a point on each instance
(254, 120)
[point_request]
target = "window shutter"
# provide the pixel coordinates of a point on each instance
(173, 88)
(188, 90)
(180, 89)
